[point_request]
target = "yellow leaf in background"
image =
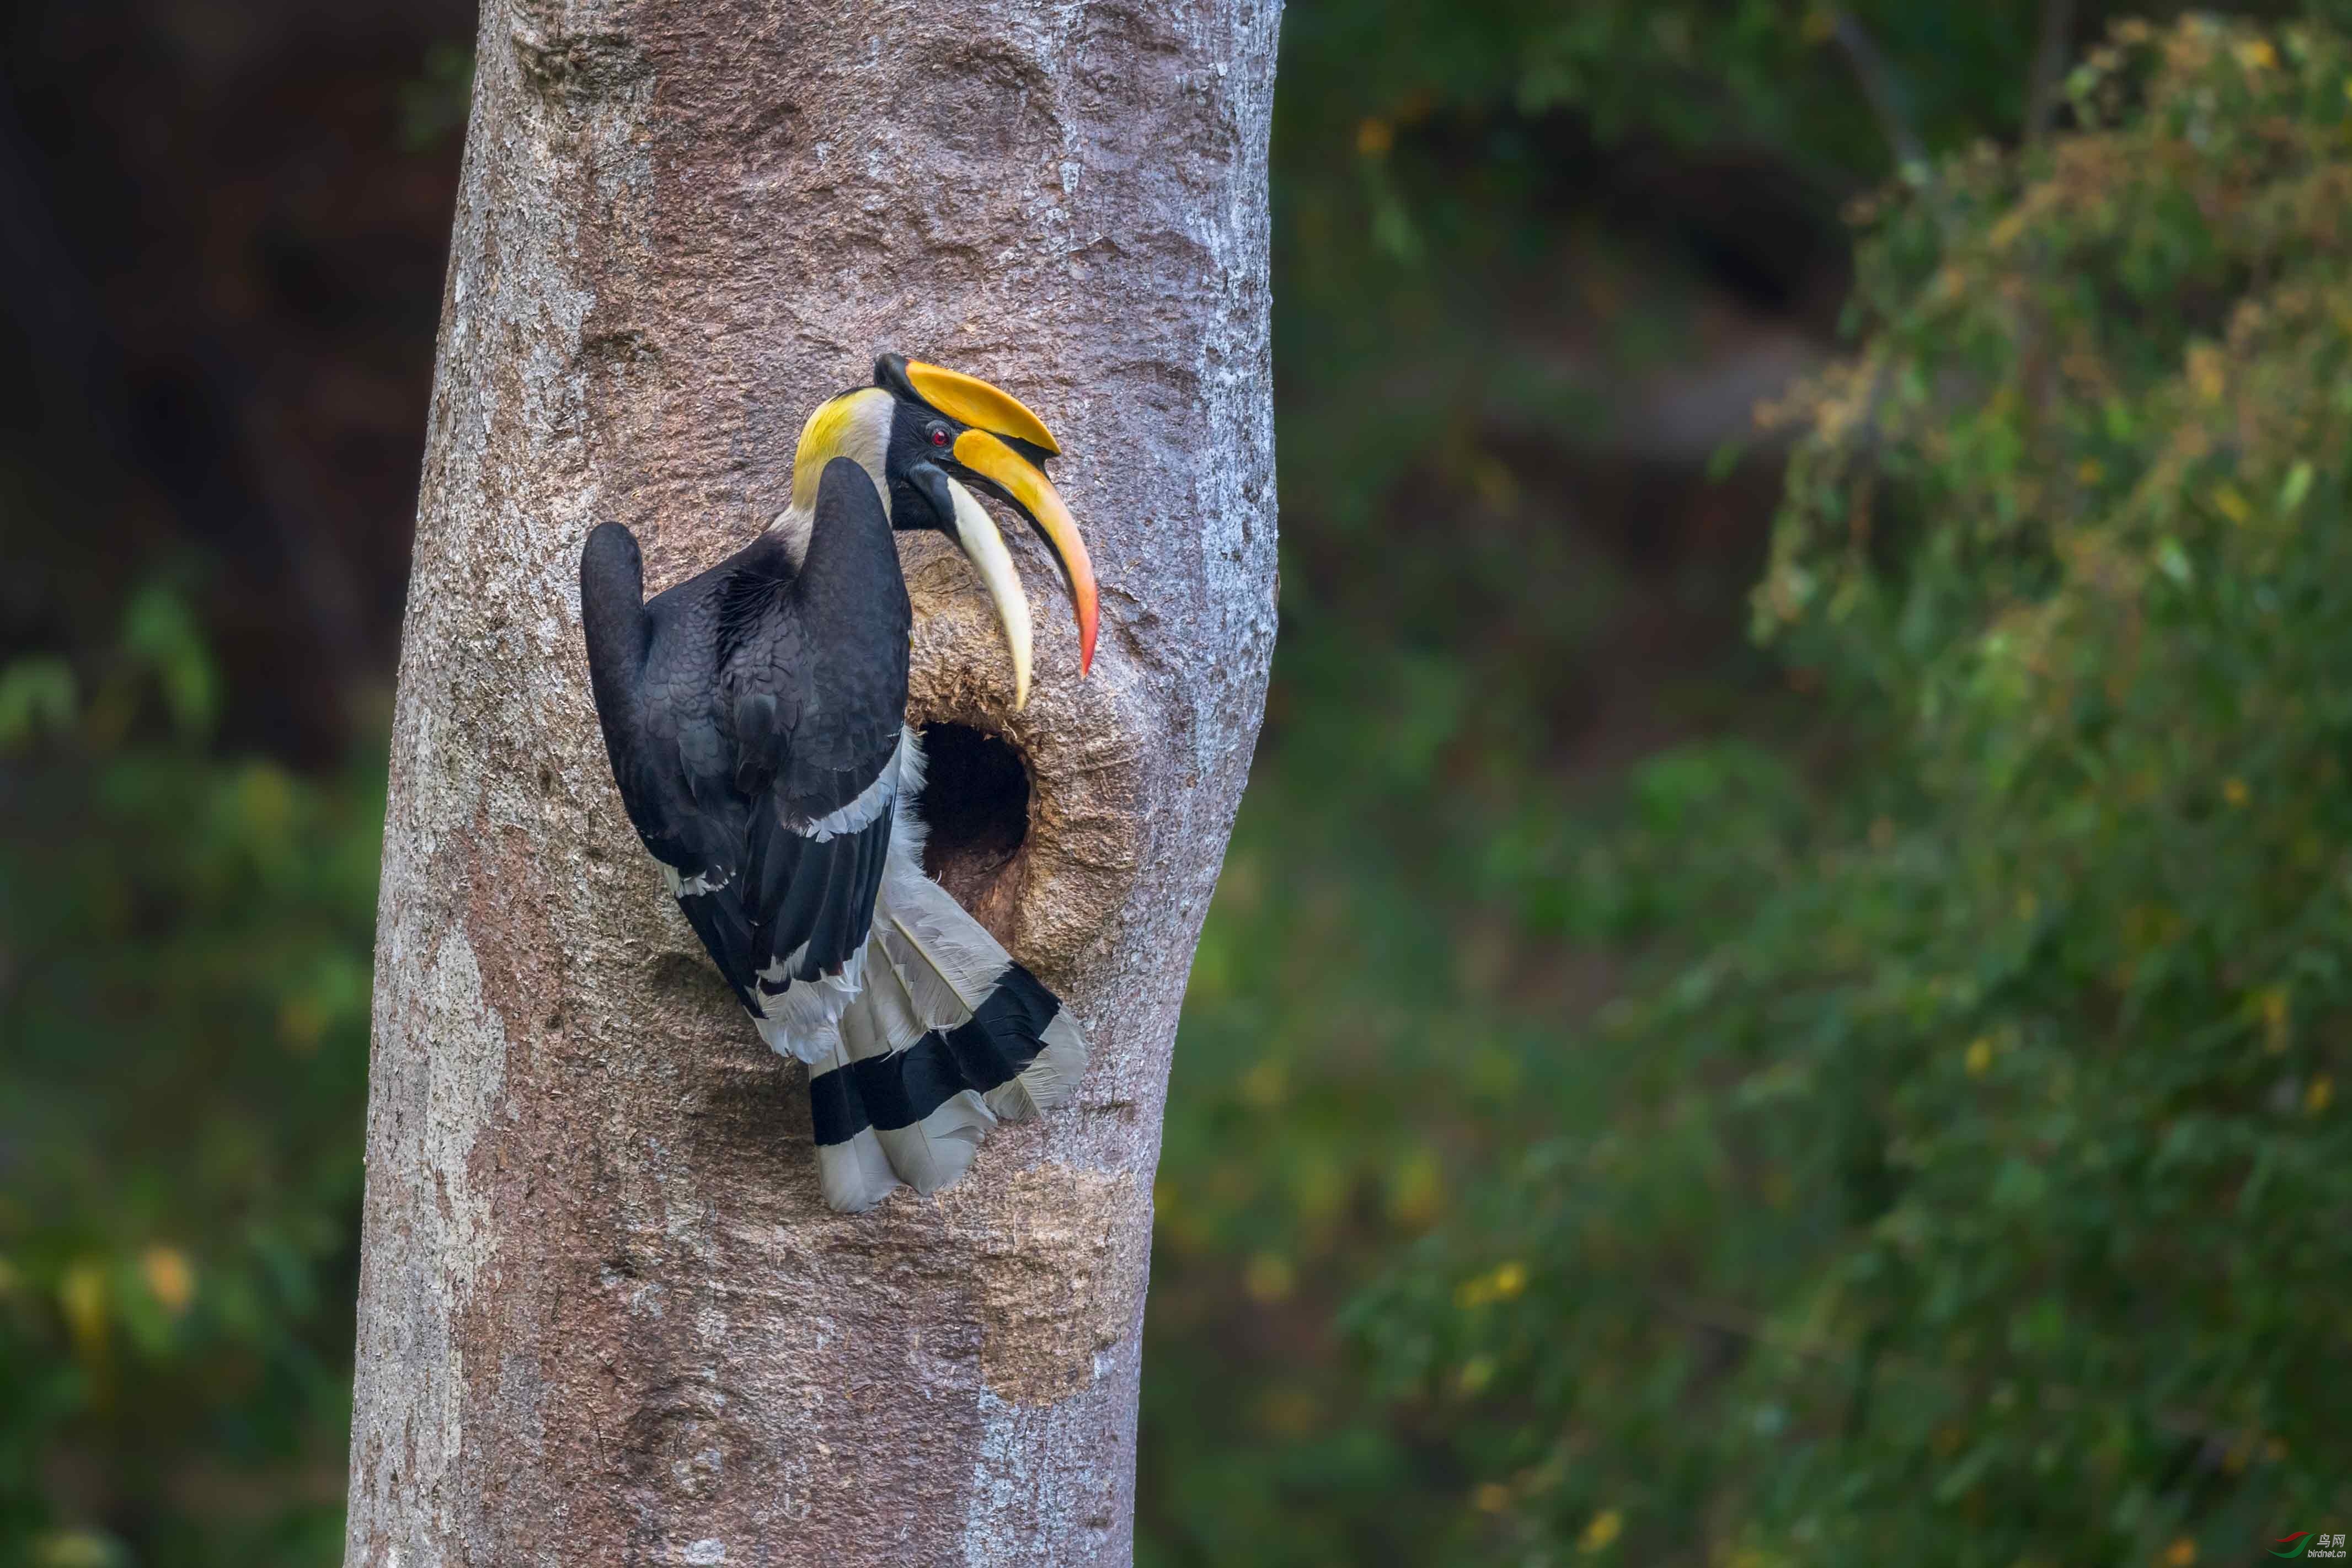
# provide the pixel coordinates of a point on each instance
(2205, 373)
(169, 1277)
(2181, 1553)
(2272, 1004)
(1490, 1497)
(2234, 791)
(1475, 1374)
(1374, 137)
(1417, 1190)
(2317, 1097)
(1602, 1533)
(1504, 1283)
(2231, 504)
(2091, 471)
(1269, 1278)
(1265, 1085)
(1980, 1057)
(264, 799)
(2256, 55)
(76, 1549)
(81, 1297)
(300, 1021)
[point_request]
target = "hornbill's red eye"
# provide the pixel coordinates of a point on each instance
(939, 436)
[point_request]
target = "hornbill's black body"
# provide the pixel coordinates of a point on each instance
(758, 697)
(755, 716)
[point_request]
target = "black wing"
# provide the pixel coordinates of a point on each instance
(654, 669)
(813, 676)
(753, 716)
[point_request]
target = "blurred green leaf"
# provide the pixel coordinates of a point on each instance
(37, 693)
(183, 977)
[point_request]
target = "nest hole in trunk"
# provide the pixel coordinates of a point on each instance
(976, 801)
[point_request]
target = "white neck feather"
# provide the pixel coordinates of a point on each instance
(855, 426)
(793, 526)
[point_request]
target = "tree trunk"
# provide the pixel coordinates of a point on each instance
(604, 1316)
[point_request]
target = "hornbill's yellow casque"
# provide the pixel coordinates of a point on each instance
(756, 720)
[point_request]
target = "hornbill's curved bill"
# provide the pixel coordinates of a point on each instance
(1001, 446)
(755, 719)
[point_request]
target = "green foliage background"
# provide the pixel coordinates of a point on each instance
(186, 941)
(1897, 1112)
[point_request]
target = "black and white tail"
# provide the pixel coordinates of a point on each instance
(946, 1037)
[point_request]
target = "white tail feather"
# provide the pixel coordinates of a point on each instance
(927, 965)
(947, 959)
(1046, 1081)
(855, 1175)
(938, 1149)
(804, 1021)
(892, 1016)
(935, 1151)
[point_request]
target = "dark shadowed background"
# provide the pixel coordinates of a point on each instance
(1780, 988)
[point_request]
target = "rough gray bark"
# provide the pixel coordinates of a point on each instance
(604, 1317)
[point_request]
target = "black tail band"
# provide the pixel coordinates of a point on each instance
(901, 1088)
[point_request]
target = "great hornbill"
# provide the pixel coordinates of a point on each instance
(755, 716)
